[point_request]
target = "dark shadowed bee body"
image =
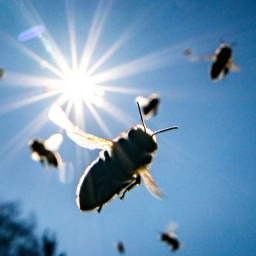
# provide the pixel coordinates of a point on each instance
(222, 62)
(152, 106)
(120, 166)
(43, 151)
(2, 72)
(149, 106)
(120, 247)
(115, 169)
(44, 154)
(171, 240)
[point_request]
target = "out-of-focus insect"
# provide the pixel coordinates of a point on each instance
(45, 151)
(120, 247)
(120, 165)
(2, 72)
(170, 238)
(149, 106)
(187, 52)
(222, 62)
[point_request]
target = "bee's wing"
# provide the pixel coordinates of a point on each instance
(83, 139)
(199, 58)
(234, 67)
(53, 142)
(151, 185)
(142, 101)
(35, 156)
(171, 228)
(87, 140)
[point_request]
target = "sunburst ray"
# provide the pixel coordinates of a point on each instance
(27, 101)
(98, 23)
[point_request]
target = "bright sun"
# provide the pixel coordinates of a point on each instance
(79, 83)
(77, 86)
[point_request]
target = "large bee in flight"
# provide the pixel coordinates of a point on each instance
(120, 165)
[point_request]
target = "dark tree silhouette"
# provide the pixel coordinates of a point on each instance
(18, 236)
(49, 244)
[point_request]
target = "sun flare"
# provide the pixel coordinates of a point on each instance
(82, 86)
(77, 86)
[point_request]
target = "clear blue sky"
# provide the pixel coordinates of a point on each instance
(206, 169)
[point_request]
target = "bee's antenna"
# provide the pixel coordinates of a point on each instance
(164, 130)
(142, 120)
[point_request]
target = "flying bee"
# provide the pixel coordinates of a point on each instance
(170, 238)
(149, 106)
(187, 52)
(222, 62)
(2, 73)
(45, 151)
(120, 247)
(120, 165)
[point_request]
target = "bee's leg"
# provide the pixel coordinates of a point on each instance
(99, 209)
(134, 183)
(42, 161)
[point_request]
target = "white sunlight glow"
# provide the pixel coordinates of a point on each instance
(79, 85)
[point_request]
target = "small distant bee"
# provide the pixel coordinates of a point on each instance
(187, 52)
(149, 106)
(2, 72)
(44, 151)
(120, 247)
(120, 165)
(170, 238)
(222, 62)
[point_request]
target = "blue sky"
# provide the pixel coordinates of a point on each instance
(206, 169)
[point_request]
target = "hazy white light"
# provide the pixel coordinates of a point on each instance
(79, 86)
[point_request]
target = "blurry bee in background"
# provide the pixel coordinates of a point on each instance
(2, 72)
(120, 247)
(120, 165)
(187, 52)
(45, 151)
(149, 106)
(170, 238)
(222, 61)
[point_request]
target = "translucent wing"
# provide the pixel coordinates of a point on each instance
(151, 185)
(53, 142)
(199, 58)
(35, 156)
(171, 228)
(188, 53)
(83, 139)
(87, 140)
(234, 67)
(142, 101)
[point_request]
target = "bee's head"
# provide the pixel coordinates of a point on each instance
(148, 131)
